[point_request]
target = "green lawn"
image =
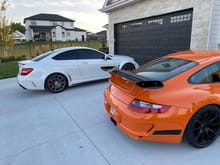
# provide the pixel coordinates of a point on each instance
(32, 49)
(8, 69)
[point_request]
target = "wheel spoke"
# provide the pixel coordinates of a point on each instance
(198, 135)
(212, 119)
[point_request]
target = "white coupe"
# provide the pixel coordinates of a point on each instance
(55, 70)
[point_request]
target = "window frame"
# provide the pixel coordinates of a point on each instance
(205, 83)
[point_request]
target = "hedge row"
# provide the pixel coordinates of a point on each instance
(12, 58)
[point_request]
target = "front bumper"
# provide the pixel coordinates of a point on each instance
(165, 127)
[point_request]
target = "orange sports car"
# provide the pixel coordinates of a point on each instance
(171, 97)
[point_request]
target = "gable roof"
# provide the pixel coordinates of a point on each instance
(110, 5)
(35, 27)
(48, 17)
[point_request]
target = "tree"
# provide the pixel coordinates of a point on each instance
(17, 26)
(6, 36)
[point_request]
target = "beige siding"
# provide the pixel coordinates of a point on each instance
(214, 32)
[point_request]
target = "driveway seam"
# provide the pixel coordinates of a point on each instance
(75, 122)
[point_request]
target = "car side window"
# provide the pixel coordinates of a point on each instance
(67, 55)
(210, 74)
(89, 54)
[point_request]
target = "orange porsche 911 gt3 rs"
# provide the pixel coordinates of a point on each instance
(171, 97)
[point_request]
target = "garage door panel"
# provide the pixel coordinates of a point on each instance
(149, 38)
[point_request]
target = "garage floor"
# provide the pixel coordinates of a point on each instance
(40, 128)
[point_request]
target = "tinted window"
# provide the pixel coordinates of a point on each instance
(67, 55)
(89, 54)
(165, 68)
(42, 56)
(210, 74)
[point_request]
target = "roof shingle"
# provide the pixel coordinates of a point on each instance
(48, 17)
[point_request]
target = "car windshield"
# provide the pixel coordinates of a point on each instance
(165, 68)
(42, 56)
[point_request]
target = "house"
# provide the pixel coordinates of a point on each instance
(47, 27)
(102, 35)
(147, 29)
(19, 37)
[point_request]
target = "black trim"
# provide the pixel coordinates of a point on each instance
(139, 80)
(167, 132)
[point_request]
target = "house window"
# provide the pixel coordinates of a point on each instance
(180, 18)
(54, 34)
(71, 23)
(33, 23)
(54, 23)
(62, 23)
(155, 22)
(68, 34)
(63, 34)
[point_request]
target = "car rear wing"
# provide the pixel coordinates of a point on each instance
(139, 80)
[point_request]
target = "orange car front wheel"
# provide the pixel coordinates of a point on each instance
(204, 127)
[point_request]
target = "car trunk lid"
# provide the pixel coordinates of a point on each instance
(130, 83)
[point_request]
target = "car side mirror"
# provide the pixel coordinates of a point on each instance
(107, 57)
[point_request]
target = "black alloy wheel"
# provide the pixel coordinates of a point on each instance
(128, 67)
(204, 127)
(56, 83)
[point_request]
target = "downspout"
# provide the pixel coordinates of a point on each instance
(210, 24)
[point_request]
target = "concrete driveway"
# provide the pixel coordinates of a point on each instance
(71, 128)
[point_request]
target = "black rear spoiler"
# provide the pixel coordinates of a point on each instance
(139, 80)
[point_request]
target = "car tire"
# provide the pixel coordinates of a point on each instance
(128, 67)
(204, 127)
(56, 83)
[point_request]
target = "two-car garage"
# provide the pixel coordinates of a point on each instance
(147, 29)
(151, 37)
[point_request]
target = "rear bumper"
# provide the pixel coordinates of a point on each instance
(166, 127)
(30, 83)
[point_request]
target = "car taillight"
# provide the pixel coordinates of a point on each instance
(26, 71)
(145, 107)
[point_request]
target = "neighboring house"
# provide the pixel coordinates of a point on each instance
(46, 27)
(97, 36)
(102, 35)
(19, 37)
(147, 29)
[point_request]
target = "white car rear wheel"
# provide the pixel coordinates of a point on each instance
(56, 83)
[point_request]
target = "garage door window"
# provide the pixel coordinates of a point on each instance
(155, 21)
(180, 18)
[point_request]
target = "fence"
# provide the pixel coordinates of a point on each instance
(32, 49)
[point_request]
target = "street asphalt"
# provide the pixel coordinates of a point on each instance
(72, 128)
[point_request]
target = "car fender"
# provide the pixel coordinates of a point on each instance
(125, 62)
(57, 72)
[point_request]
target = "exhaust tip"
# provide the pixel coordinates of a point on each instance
(113, 121)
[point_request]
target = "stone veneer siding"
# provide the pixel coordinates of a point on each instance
(148, 8)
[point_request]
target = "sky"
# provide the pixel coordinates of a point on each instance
(85, 12)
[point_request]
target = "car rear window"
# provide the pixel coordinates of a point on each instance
(165, 68)
(42, 56)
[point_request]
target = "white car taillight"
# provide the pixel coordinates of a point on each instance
(26, 71)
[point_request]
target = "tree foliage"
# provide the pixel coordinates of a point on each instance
(6, 36)
(17, 26)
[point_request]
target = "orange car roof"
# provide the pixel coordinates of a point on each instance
(196, 55)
